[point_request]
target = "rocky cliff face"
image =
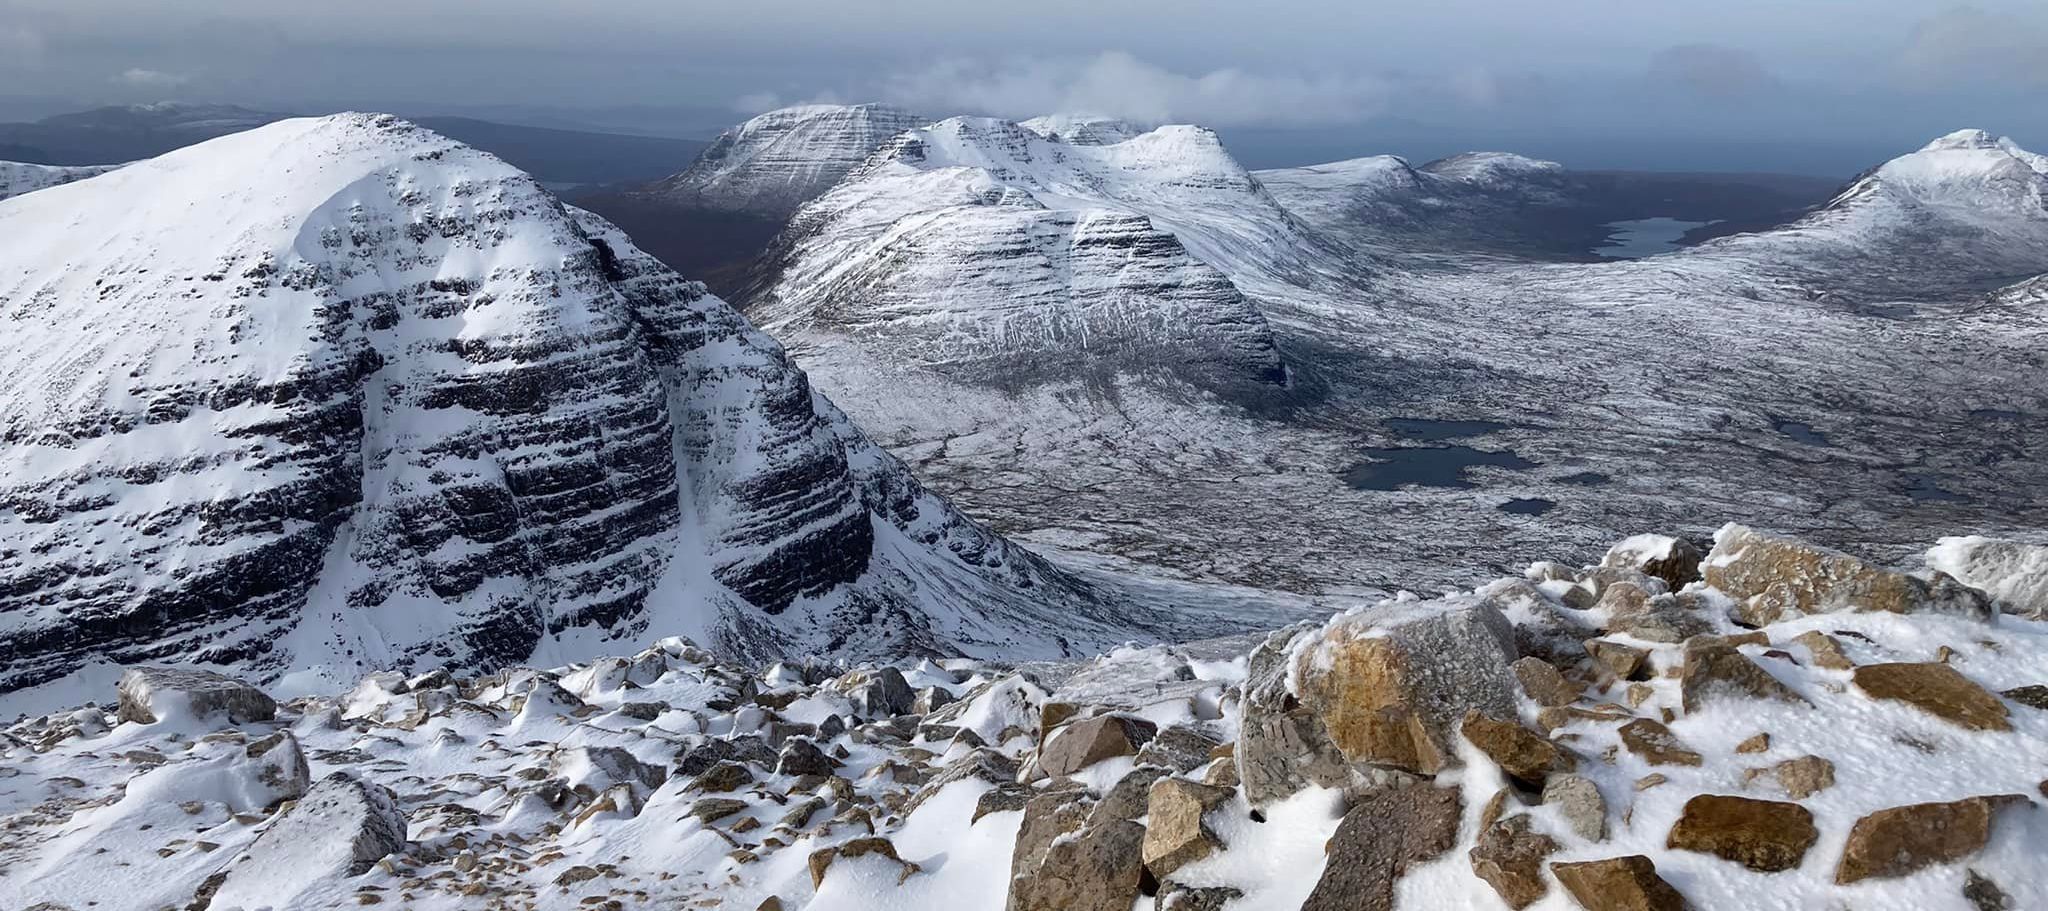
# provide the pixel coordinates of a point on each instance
(774, 163)
(987, 247)
(340, 393)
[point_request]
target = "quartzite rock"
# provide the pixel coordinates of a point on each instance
(1656, 744)
(1176, 825)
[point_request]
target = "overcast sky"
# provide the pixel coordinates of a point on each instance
(1570, 74)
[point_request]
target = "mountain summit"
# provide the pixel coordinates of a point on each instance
(776, 162)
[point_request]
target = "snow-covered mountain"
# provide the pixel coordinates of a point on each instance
(1967, 211)
(773, 164)
(340, 393)
(977, 243)
(1475, 201)
(17, 177)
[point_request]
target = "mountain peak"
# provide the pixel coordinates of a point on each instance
(1964, 139)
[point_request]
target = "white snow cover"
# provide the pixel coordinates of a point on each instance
(17, 177)
(2009, 571)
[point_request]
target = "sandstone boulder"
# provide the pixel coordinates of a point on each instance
(1083, 743)
(1618, 884)
(1509, 856)
(1936, 689)
(1717, 671)
(1381, 837)
(1764, 835)
(821, 860)
(1520, 752)
(1902, 840)
(1098, 868)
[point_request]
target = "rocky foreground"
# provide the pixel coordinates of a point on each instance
(1763, 725)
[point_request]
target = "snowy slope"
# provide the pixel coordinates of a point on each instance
(17, 178)
(340, 393)
(982, 245)
(776, 162)
(1475, 202)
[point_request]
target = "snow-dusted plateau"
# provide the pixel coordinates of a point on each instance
(1061, 518)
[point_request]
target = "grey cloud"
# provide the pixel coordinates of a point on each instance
(139, 77)
(1119, 84)
(1711, 70)
(1966, 45)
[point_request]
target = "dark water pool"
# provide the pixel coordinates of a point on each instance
(1926, 488)
(1585, 479)
(1393, 468)
(1533, 506)
(1800, 431)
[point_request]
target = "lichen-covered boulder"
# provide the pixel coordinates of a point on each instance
(152, 694)
(1392, 683)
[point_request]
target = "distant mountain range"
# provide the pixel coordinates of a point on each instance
(114, 135)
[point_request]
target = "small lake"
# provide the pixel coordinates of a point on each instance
(1533, 506)
(1393, 468)
(1645, 237)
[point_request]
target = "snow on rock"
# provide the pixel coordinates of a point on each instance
(2013, 574)
(776, 162)
(153, 694)
(17, 178)
(339, 394)
(342, 827)
(1845, 794)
